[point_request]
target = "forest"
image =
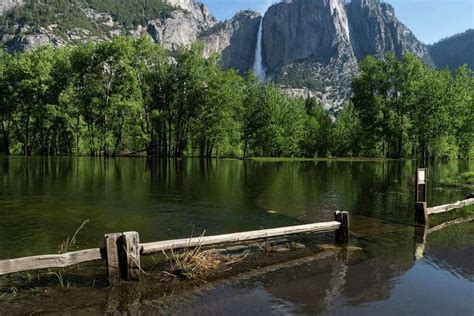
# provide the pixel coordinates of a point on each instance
(131, 97)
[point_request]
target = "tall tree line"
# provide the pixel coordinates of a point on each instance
(406, 108)
(130, 96)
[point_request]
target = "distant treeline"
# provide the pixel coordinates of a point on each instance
(131, 96)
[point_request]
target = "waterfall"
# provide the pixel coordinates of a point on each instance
(258, 68)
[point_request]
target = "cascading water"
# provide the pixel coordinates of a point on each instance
(258, 68)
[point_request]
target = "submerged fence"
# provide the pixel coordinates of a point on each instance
(122, 251)
(422, 211)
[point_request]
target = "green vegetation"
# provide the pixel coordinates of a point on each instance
(132, 13)
(129, 96)
(465, 180)
(300, 77)
(406, 107)
(62, 16)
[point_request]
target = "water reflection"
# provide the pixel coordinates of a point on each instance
(43, 200)
(380, 277)
(389, 270)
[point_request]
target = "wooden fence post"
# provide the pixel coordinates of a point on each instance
(112, 257)
(131, 263)
(421, 213)
(342, 233)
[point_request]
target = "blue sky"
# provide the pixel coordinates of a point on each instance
(430, 20)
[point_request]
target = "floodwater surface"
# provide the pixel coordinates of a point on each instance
(387, 269)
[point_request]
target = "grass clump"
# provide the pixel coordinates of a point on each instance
(194, 263)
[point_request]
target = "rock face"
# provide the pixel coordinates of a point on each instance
(307, 45)
(295, 30)
(375, 30)
(198, 11)
(454, 51)
(317, 45)
(181, 25)
(179, 28)
(235, 40)
(6, 5)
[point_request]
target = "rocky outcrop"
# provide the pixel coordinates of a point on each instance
(26, 42)
(234, 40)
(178, 27)
(6, 5)
(198, 11)
(181, 27)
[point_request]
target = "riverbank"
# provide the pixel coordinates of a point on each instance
(260, 159)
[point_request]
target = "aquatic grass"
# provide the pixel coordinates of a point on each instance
(295, 246)
(267, 246)
(71, 242)
(60, 278)
(10, 293)
(197, 264)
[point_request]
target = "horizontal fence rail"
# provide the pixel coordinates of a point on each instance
(122, 250)
(49, 261)
(153, 247)
(422, 211)
(450, 207)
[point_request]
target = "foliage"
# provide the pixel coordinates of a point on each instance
(61, 16)
(64, 14)
(407, 108)
(132, 13)
(130, 96)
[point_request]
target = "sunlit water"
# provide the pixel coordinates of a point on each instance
(43, 200)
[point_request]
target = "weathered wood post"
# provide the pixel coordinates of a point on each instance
(122, 251)
(342, 233)
(421, 205)
(131, 247)
(112, 257)
(421, 213)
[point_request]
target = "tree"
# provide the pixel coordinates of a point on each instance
(347, 133)
(406, 108)
(318, 139)
(28, 77)
(6, 108)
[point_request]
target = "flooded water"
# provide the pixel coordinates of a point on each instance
(43, 200)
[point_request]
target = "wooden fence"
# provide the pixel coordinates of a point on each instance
(122, 251)
(422, 211)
